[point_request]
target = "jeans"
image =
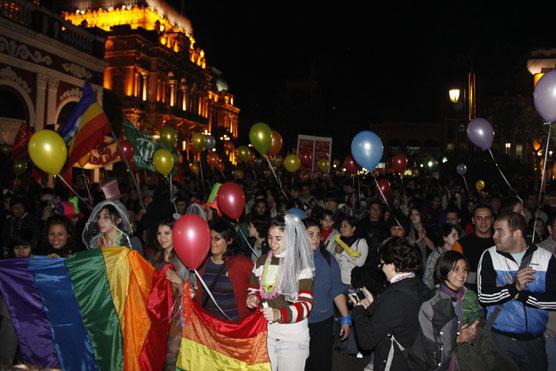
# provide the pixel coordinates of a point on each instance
(529, 355)
(287, 355)
(550, 344)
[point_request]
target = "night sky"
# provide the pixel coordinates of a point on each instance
(392, 62)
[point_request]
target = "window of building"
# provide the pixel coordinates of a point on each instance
(519, 151)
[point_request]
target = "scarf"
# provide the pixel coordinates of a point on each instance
(457, 299)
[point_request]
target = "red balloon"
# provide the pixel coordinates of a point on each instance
(384, 185)
(231, 200)
(399, 163)
(127, 149)
(350, 165)
(275, 144)
(191, 238)
(306, 159)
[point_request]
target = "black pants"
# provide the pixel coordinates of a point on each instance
(529, 355)
(320, 347)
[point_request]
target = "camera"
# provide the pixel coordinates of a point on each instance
(358, 294)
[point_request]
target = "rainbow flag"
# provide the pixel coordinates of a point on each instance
(209, 343)
(85, 128)
(92, 311)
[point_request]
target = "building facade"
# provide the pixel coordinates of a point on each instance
(154, 67)
(44, 62)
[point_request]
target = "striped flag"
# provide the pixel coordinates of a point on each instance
(209, 343)
(85, 128)
(86, 312)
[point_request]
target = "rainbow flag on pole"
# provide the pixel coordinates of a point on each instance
(86, 312)
(85, 128)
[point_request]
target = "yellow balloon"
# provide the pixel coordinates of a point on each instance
(323, 165)
(198, 140)
(292, 163)
(480, 185)
(48, 151)
(163, 161)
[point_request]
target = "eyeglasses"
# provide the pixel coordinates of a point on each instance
(314, 234)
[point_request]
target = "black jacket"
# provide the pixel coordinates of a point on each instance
(394, 312)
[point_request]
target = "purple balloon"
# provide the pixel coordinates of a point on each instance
(545, 96)
(480, 132)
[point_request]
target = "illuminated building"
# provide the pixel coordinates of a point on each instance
(155, 68)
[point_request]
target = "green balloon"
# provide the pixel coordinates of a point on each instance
(260, 136)
(20, 167)
(243, 153)
(168, 137)
(5, 148)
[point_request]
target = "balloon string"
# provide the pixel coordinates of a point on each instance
(257, 254)
(202, 176)
(210, 294)
(543, 175)
(466, 186)
(352, 199)
(124, 158)
(86, 181)
(276, 177)
(73, 190)
(503, 176)
(386, 202)
(172, 199)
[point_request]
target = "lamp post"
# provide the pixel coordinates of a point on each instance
(469, 96)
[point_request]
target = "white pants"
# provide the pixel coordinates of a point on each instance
(287, 355)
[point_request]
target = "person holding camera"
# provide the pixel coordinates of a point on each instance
(395, 311)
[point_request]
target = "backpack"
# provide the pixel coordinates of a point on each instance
(436, 339)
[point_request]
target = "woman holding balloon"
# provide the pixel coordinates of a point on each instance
(226, 274)
(167, 262)
(282, 283)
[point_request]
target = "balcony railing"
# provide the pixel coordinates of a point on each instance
(46, 22)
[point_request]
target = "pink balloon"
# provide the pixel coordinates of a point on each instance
(191, 238)
(231, 200)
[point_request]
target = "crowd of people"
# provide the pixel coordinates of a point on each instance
(426, 276)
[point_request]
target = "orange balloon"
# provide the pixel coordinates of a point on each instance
(194, 168)
(276, 143)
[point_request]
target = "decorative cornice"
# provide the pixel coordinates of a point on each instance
(71, 93)
(22, 51)
(8, 74)
(77, 70)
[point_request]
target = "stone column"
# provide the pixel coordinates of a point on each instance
(51, 102)
(42, 81)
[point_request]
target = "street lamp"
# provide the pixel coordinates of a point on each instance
(454, 95)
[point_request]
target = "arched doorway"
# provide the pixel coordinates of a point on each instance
(64, 114)
(13, 112)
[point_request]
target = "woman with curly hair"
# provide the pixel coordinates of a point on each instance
(395, 311)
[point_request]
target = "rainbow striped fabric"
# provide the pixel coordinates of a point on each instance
(87, 312)
(210, 343)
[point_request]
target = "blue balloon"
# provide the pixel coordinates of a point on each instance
(367, 149)
(297, 213)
